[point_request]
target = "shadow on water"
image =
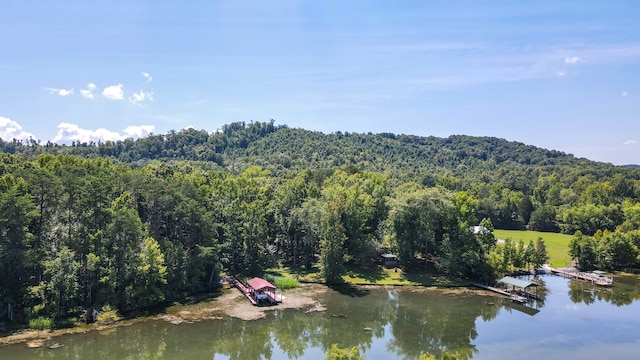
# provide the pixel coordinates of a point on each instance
(350, 290)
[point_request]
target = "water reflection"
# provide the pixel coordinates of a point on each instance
(625, 291)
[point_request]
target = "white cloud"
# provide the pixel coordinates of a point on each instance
(88, 91)
(10, 130)
(136, 132)
(625, 94)
(61, 92)
(113, 92)
(561, 73)
(571, 60)
(141, 97)
(147, 76)
(630, 142)
(68, 133)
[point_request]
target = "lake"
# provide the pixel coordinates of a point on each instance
(574, 320)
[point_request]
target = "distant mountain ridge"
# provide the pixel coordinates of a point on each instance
(281, 148)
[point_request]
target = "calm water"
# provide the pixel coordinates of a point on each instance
(575, 320)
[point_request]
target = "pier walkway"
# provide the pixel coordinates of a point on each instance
(245, 290)
(584, 276)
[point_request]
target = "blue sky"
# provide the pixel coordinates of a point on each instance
(561, 75)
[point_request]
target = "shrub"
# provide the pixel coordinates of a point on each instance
(108, 315)
(285, 283)
(338, 353)
(282, 282)
(40, 323)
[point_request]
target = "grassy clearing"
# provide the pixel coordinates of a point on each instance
(385, 276)
(281, 282)
(378, 275)
(557, 244)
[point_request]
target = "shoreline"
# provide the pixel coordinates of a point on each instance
(231, 303)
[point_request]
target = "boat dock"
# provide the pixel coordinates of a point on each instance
(259, 291)
(584, 276)
(245, 290)
(511, 296)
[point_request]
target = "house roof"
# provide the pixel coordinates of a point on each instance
(480, 230)
(259, 284)
(517, 282)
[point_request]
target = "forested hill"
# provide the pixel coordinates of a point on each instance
(455, 161)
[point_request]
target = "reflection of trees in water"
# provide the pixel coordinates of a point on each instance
(420, 321)
(348, 317)
(625, 291)
(440, 322)
(134, 342)
(540, 291)
(244, 340)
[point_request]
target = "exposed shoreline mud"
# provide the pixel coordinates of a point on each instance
(231, 303)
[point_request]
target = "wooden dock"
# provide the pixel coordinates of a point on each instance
(589, 277)
(245, 290)
(511, 296)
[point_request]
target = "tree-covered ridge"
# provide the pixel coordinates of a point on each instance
(239, 145)
(519, 186)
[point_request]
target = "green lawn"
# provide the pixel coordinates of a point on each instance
(557, 244)
(378, 275)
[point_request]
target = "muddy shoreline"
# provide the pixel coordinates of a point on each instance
(231, 303)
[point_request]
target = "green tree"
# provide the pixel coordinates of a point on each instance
(338, 353)
(61, 283)
(286, 199)
(540, 256)
(122, 239)
(485, 235)
(16, 212)
(543, 219)
(583, 249)
(151, 274)
(307, 219)
(332, 255)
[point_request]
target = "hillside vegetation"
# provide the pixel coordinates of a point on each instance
(132, 224)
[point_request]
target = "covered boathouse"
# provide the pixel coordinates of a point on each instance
(259, 291)
(519, 286)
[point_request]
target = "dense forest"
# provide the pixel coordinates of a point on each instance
(136, 223)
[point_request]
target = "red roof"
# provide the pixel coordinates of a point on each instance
(260, 284)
